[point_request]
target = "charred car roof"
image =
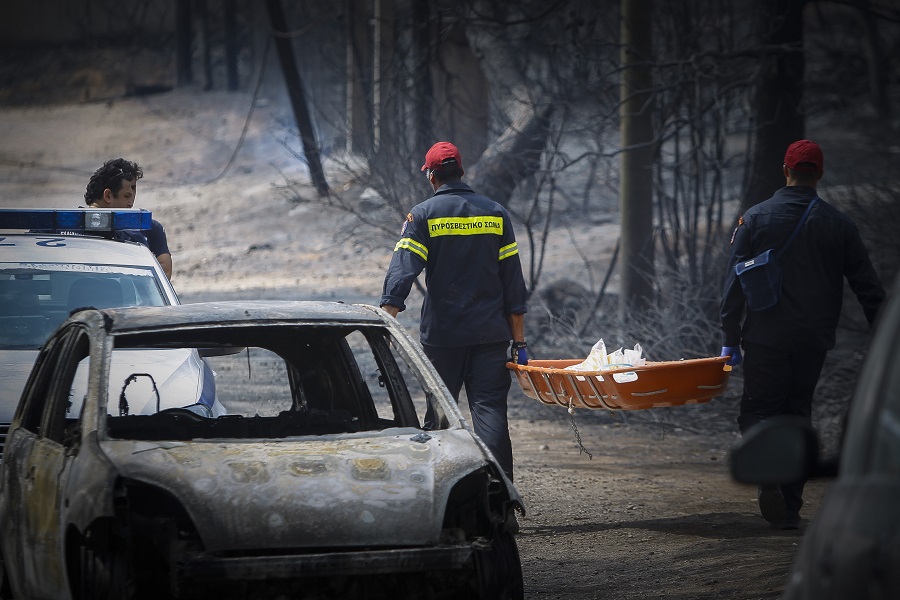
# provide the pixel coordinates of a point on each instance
(237, 313)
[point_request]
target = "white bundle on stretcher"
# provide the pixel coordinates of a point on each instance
(599, 360)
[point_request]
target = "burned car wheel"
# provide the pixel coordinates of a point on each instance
(499, 570)
(103, 568)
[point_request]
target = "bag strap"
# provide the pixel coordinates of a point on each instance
(797, 228)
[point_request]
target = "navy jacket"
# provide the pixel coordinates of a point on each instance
(826, 250)
(154, 238)
(473, 276)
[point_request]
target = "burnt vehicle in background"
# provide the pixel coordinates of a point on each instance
(851, 549)
(55, 260)
(319, 481)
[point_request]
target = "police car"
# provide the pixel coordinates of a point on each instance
(53, 261)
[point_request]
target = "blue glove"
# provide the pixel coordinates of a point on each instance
(518, 354)
(735, 353)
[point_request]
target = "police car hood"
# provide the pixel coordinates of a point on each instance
(147, 380)
(180, 377)
(372, 489)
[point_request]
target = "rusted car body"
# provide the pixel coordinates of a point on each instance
(319, 481)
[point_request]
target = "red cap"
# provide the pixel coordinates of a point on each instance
(804, 151)
(441, 156)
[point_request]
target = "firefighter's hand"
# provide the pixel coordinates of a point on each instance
(391, 310)
(518, 353)
(735, 353)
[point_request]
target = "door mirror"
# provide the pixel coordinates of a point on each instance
(778, 451)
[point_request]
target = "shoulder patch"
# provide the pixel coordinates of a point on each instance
(734, 233)
(407, 221)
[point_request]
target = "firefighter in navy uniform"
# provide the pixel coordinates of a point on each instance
(475, 294)
(786, 345)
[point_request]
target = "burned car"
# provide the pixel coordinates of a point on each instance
(851, 548)
(318, 481)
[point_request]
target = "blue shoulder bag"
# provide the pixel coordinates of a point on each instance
(760, 276)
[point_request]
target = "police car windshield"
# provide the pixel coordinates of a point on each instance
(35, 299)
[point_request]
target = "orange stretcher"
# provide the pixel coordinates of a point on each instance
(656, 384)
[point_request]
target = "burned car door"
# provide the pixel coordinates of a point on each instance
(48, 463)
(852, 549)
(43, 455)
(17, 478)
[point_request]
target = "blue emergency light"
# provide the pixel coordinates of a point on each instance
(84, 221)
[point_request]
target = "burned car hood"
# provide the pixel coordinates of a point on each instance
(386, 488)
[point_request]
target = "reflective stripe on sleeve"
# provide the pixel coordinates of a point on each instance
(510, 250)
(465, 226)
(413, 246)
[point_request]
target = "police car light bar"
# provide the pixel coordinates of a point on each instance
(97, 221)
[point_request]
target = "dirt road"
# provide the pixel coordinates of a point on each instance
(653, 514)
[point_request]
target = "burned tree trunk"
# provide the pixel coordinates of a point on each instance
(779, 93)
(297, 95)
(517, 152)
(636, 160)
(513, 156)
(183, 72)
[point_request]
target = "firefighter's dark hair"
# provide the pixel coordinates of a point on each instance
(446, 174)
(804, 177)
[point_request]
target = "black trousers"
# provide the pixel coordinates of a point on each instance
(482, 369)
(780, 381)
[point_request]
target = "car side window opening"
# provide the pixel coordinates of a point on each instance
(59, 418)
(48, 393)
(389, 380)
(36, 392)
(371, 376)
(417, 389)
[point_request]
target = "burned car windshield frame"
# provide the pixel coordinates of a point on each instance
(335, 380)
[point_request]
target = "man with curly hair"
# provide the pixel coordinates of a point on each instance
(114, 185)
